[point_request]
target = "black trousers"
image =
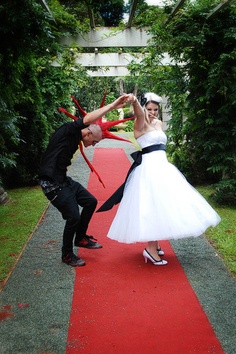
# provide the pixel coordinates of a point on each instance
(67, 200)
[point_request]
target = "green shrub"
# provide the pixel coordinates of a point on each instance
(129, 126)
(225, 192)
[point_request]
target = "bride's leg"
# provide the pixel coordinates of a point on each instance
(152, 249)
(160, 250)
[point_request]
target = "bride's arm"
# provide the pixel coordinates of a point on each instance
(139, 113)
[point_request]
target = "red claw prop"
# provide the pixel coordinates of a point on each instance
(103, 99)
(67, 113)
(89, 163)
(104, 125)
(79, 107)
(106, 134)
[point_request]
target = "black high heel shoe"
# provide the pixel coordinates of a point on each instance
(147, 256)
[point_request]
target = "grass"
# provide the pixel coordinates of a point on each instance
(18, 219)
(223, 236)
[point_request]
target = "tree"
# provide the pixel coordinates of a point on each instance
(22, 27)
(200, 84)
(31, 88)
(111, 11)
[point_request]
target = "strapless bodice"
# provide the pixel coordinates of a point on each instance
(151, 138)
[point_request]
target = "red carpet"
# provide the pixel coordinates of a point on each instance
(121, 304)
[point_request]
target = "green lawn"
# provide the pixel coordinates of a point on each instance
(223, 237)
(18, 219)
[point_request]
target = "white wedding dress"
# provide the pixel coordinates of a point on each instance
(158, 203)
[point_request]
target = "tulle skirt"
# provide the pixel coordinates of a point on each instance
(159, 204)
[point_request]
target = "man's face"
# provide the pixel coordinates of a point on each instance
(89, 139)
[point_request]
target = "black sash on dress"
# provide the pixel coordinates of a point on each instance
(116, 197)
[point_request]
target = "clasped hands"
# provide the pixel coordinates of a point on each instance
(125, 99)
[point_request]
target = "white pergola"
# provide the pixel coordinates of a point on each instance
(115, 64)
(110, 64)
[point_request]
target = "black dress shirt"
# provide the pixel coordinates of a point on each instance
(61, 148)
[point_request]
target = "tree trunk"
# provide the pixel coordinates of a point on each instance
(121, 87)
(3, 196)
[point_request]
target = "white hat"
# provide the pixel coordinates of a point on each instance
(150, 96)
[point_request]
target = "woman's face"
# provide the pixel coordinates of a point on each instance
(152, 109)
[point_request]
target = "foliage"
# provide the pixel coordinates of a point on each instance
(104, 13)
(37, 77)
(91, 92)
(9, 132)
(33, 87)
(200, 85)
(145, 15)
(129, 126)
(111, 11)
(18, 23)
(225, 192)
(69, 17)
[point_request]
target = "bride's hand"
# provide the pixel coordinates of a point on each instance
(131, 98)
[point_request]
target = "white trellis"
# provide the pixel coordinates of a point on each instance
(109, 64)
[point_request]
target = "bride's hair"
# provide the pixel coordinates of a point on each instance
(150, 97)
(146, 116)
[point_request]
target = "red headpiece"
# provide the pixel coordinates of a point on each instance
(104, 126)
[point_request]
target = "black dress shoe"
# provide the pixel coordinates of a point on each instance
(86, 242)
(72, 260)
